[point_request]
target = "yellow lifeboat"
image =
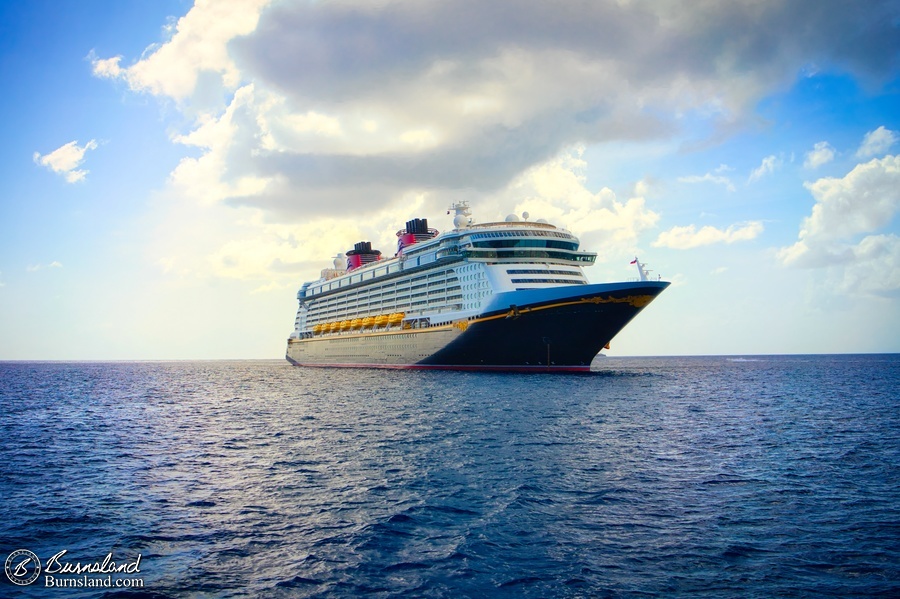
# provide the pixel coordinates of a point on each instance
(345, 325)
(356, 323)
(333, 326)
(317, 328)
(381, 320)
(396, 318)
(368, 321)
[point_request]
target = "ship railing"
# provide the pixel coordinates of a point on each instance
(518, 223)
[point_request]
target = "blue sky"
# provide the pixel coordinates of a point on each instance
(172, 173)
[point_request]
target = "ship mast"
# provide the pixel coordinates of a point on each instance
(642, 272)
(463, 216)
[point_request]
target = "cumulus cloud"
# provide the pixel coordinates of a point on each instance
(556, 191)
(278, 254)
(305, 106)
(877, 142)
(687, 237)
(840, 230)
(198, 47)
(866, 199)
(66, 159)
(822, 153)
(768, 166)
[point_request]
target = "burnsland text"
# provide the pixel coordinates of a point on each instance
(55, 565)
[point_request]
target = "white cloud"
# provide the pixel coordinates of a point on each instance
(358, 105)
(106, 68)
(708, 178)
(556, 191)
(866, 199)
(862, 202)
(66, 159)
(875, 267)
(822, 153)
(37, 267)
(243, 244)
(877, 142)
(198, 46)
(768, 166)
(683, 238)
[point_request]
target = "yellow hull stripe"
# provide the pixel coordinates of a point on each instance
(637, 301)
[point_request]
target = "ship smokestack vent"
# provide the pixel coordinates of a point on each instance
(417, 226)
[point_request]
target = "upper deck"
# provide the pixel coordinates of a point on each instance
(513, 242)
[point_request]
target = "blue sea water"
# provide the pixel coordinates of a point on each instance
(649, 477)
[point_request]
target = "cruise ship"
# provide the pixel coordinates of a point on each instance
(508, 295)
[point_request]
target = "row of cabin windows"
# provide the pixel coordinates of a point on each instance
(482, 254)
(498, 234)
(556, 281)
(527, 243)
(534, 271)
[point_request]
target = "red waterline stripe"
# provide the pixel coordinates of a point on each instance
(465, 367)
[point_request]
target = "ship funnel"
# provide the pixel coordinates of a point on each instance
(416, 231)
(362, 254)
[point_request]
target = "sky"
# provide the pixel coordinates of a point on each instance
(172, 172)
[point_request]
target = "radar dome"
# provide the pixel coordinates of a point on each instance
(459, 221)
(512, 218)
(525, 215)
(543, 221)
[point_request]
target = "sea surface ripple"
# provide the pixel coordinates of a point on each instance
(649, 477)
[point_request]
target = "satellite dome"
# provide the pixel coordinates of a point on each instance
(459, 221)
(512, 218)
(543, 221)
(525, 215)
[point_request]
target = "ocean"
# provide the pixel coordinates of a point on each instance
(763, 476)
